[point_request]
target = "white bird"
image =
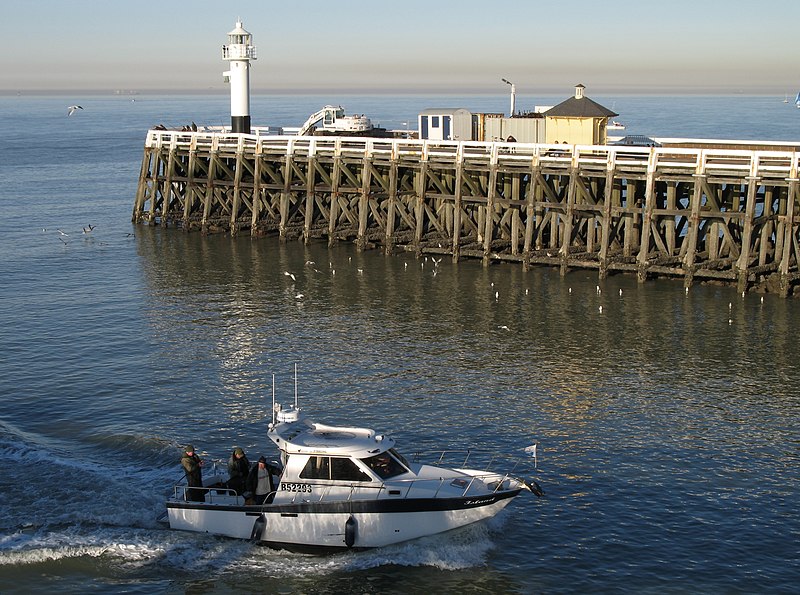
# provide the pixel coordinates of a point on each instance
(72, 109)
(406, 266)
(762, 299)
(600, 309)
(299, 296)
(360, 271)
(620, 291)
(570, 289)
(526, 292)
(496, 296)
(730, 305)
(288, 274)
(310, 262)
(504, 327)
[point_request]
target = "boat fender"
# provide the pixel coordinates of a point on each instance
(258, 528)
(350, 531)
(535, 488)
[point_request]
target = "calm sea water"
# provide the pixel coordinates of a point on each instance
(667, 423)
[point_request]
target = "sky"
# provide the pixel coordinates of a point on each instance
(404, 46)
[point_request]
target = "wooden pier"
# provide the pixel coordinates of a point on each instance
(729, 215)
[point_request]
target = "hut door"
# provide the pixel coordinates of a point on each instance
(446, 126)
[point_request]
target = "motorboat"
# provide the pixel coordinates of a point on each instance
(345, 487)
(615, 125)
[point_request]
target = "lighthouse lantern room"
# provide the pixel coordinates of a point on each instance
(239, 51)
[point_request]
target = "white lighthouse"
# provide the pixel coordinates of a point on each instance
(239, 51)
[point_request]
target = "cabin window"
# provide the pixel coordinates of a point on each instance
(346, 470)
(434, 121)
(337, 468)
(384, 465)
(423, 127)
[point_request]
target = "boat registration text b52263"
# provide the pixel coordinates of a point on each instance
(295, 487)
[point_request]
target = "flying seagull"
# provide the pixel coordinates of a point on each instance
(72, 109)
(288, 274)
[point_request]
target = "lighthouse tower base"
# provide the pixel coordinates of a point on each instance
(240, 124)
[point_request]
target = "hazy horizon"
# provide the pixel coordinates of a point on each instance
(465, 47)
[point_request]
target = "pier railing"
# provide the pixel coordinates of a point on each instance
(727, 214)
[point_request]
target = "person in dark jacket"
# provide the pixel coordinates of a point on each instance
(259, 482)
(238, 470)
(192, 465)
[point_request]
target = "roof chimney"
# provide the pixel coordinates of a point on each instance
(579, 91)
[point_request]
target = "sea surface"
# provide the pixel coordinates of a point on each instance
(667, 424)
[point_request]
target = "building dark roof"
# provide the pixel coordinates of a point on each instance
(637, 140)
(579, 108)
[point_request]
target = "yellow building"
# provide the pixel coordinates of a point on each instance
(577, 121)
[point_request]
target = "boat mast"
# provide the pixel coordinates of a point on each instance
(273, 399)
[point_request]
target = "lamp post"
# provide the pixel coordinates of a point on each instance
(513, 96)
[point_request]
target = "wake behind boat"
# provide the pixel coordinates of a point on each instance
(345, 487)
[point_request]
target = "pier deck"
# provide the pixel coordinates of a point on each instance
(730, 215)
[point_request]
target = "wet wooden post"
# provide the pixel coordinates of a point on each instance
(789, 243)
(457, 206)
(141, 189)
(188, 201)
(287, 189)
(363, 202)
(391, 206)
(311, 176)
(607, 221)
(419, 207)
(491, 195)
(334, 210)
(747, 231)
(693, 231)
(767, 228)
(530, 211)
(208, 197)
(647, 218)
(237, 189)
(569, 216)
(257, 173)
(669, 224)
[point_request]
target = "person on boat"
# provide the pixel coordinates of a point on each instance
(259, 482)
(238, 470)
(192, 465)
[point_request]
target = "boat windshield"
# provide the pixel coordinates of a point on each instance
(385, 465)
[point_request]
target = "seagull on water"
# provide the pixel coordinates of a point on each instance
(89, 229)
(73, 108)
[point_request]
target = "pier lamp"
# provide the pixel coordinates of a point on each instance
(239, 51)
(513, 96)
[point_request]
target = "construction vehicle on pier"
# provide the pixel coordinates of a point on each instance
(331, 121)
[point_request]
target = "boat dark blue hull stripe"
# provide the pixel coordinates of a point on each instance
(364, 506)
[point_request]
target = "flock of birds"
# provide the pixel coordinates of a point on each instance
(436, 261)
(85, 232)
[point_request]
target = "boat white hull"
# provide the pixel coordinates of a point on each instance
(300, 527)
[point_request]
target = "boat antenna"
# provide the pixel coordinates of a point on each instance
(295, 387)
(273, 399)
